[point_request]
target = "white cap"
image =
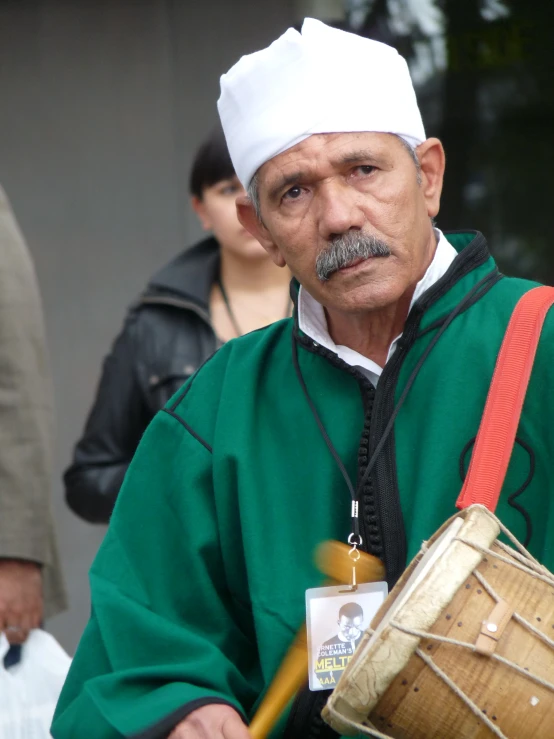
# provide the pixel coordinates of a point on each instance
(320, 81)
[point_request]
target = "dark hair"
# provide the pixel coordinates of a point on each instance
(351, 611)
(211, 164)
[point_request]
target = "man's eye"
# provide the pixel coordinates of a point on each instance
(365, 169)
(293, 194)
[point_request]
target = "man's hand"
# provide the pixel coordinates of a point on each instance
(211, 722)
(20, 599)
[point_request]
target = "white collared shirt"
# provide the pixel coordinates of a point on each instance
(313, 322)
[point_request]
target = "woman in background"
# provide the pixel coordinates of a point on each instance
(217, 290)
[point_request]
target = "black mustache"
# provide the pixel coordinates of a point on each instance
(345, 249)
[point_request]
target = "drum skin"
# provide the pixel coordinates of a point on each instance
(389, 686)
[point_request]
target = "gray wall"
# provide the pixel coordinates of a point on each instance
(101, 107)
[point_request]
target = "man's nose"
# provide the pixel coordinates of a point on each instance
(338, 209)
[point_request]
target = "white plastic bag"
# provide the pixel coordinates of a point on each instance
(29, 690)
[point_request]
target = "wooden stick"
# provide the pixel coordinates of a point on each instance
(288, 679)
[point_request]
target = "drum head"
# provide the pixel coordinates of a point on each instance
(416, 575)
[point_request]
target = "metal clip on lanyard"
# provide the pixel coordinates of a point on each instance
(355, 540)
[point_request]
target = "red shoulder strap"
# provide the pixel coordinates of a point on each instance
(497, 432)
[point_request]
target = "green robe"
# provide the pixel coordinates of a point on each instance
(198, 588)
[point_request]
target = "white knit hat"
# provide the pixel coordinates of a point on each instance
(320, 81)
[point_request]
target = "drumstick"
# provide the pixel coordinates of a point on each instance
(333, 559)
(288, 679)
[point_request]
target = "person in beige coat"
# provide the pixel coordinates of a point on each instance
(31, 586)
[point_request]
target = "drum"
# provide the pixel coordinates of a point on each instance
(462, 647)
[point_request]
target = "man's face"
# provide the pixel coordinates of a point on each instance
(218, 214)
(350, 628)
(331, 185)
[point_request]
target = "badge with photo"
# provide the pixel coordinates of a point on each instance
(336, 618)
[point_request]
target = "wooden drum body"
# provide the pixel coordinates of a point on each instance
(463, 647)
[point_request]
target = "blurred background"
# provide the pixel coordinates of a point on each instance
(103, 104)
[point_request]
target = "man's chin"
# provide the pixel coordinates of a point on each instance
(361, 298)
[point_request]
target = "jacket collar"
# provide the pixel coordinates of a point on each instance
(190, 275)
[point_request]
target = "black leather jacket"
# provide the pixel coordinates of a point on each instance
(167, 335)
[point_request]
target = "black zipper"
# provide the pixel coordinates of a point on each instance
(384, 474)
(372, 540)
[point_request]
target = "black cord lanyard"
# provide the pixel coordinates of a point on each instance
(230, 312)
(355, 539)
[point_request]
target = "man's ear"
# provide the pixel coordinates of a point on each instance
(200, 209)
(249, 220)
(432, 160)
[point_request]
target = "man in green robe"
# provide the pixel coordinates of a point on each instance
(374, 390)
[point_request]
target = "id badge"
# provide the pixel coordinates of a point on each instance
(336, 618)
